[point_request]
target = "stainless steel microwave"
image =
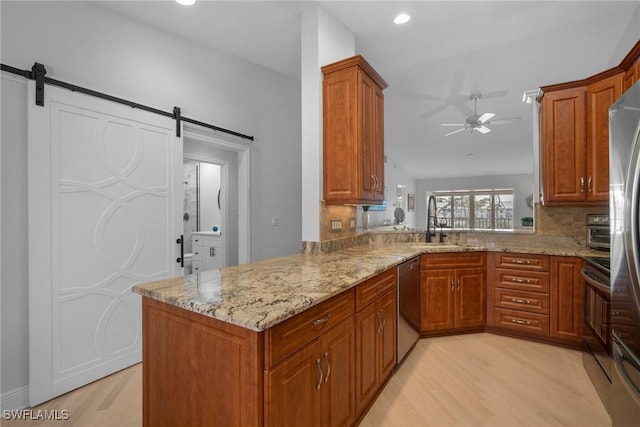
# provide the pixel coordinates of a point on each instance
(598, 236)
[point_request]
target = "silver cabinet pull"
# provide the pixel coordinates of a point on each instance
(582, 184)
(589, 189)
(326, 360)
(458, 289)
(521, 322)
(452, 285)
(380, 321)
(521, 301)
(322, 320)
(319, 374)
(521, 261)
(517, 280)
(375, 182)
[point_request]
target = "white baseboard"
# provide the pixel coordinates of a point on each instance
(15, 399)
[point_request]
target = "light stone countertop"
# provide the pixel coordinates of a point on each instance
(261, 294)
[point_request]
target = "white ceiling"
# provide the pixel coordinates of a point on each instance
(448, 50)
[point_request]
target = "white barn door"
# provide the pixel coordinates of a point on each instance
(104, 214)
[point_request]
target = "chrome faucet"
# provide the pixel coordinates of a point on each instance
(431, 218)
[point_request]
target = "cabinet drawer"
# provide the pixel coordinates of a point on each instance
(522, 280)
(374, 288)
(522, 261)
(292, 334)
(196, 266)
(522, 321)
(215, 241)
(453, 260)
(531, 302)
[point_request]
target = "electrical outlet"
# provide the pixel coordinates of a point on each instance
(352, 224)
(335, 225)
(275, 221)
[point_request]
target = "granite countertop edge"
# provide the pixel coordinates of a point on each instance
(259, 295)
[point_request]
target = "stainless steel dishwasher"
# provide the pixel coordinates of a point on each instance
(408, 307)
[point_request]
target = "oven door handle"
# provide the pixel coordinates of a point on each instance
(622, 353)
(593, 283)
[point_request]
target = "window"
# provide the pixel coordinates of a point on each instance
(475, 209)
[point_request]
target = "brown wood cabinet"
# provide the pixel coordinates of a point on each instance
(315, 386)
(375, 347)
(452, 298)
(631, 65)
(353, 133)
(600, 96)
(535, 296)
(563, 147)
(574, 135)
(566, 299)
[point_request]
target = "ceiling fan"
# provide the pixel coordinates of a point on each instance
(479, 122)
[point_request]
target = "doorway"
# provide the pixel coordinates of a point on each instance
(204, 205)
(202, 148)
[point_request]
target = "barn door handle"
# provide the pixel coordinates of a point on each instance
(180, 241)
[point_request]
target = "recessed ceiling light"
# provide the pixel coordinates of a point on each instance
(186, 2)
(402, 18)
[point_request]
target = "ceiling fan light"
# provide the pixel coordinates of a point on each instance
(402, 18)
(483, 129)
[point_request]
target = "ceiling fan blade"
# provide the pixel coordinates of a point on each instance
(495, 93)
(483, 129)
(486, 116)
(504, 121)
(455, 131)
(452, 124)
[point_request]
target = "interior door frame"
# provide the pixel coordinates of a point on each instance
(243, 151)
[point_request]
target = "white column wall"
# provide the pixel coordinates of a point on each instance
(324, 40)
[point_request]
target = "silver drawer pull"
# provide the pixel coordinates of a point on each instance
(326, 360)
(521, 261)
(516, 280)
(321, 320)
(520, 301)
(520, 322)
(319, 374)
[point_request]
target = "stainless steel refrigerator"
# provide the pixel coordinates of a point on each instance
(624, 216)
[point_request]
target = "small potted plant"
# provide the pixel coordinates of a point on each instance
(527, 221)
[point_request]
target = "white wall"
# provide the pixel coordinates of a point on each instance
(394, 174)
(522, 187)
(324, 40)
(84, 44)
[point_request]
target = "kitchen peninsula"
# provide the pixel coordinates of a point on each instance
(268, 342)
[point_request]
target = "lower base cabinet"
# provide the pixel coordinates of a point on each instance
(316, 384)
(375, 347)
(536, 296)
(452, 292)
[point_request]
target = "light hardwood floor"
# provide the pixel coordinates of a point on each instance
(464, 380)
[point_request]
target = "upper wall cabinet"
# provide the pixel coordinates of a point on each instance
(353, 133)
(574, 144)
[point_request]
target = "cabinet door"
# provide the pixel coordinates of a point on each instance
(378, 141)
(566, 298)
(387, 335)
(436, 296)
(470, 297)
(338, 397)
(563, 147)
(367, 135)
(600, 96)
(293, 389)
(340, 158)
(367, 324)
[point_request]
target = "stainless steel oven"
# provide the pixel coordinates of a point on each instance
(598, 236)
(597, 325)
